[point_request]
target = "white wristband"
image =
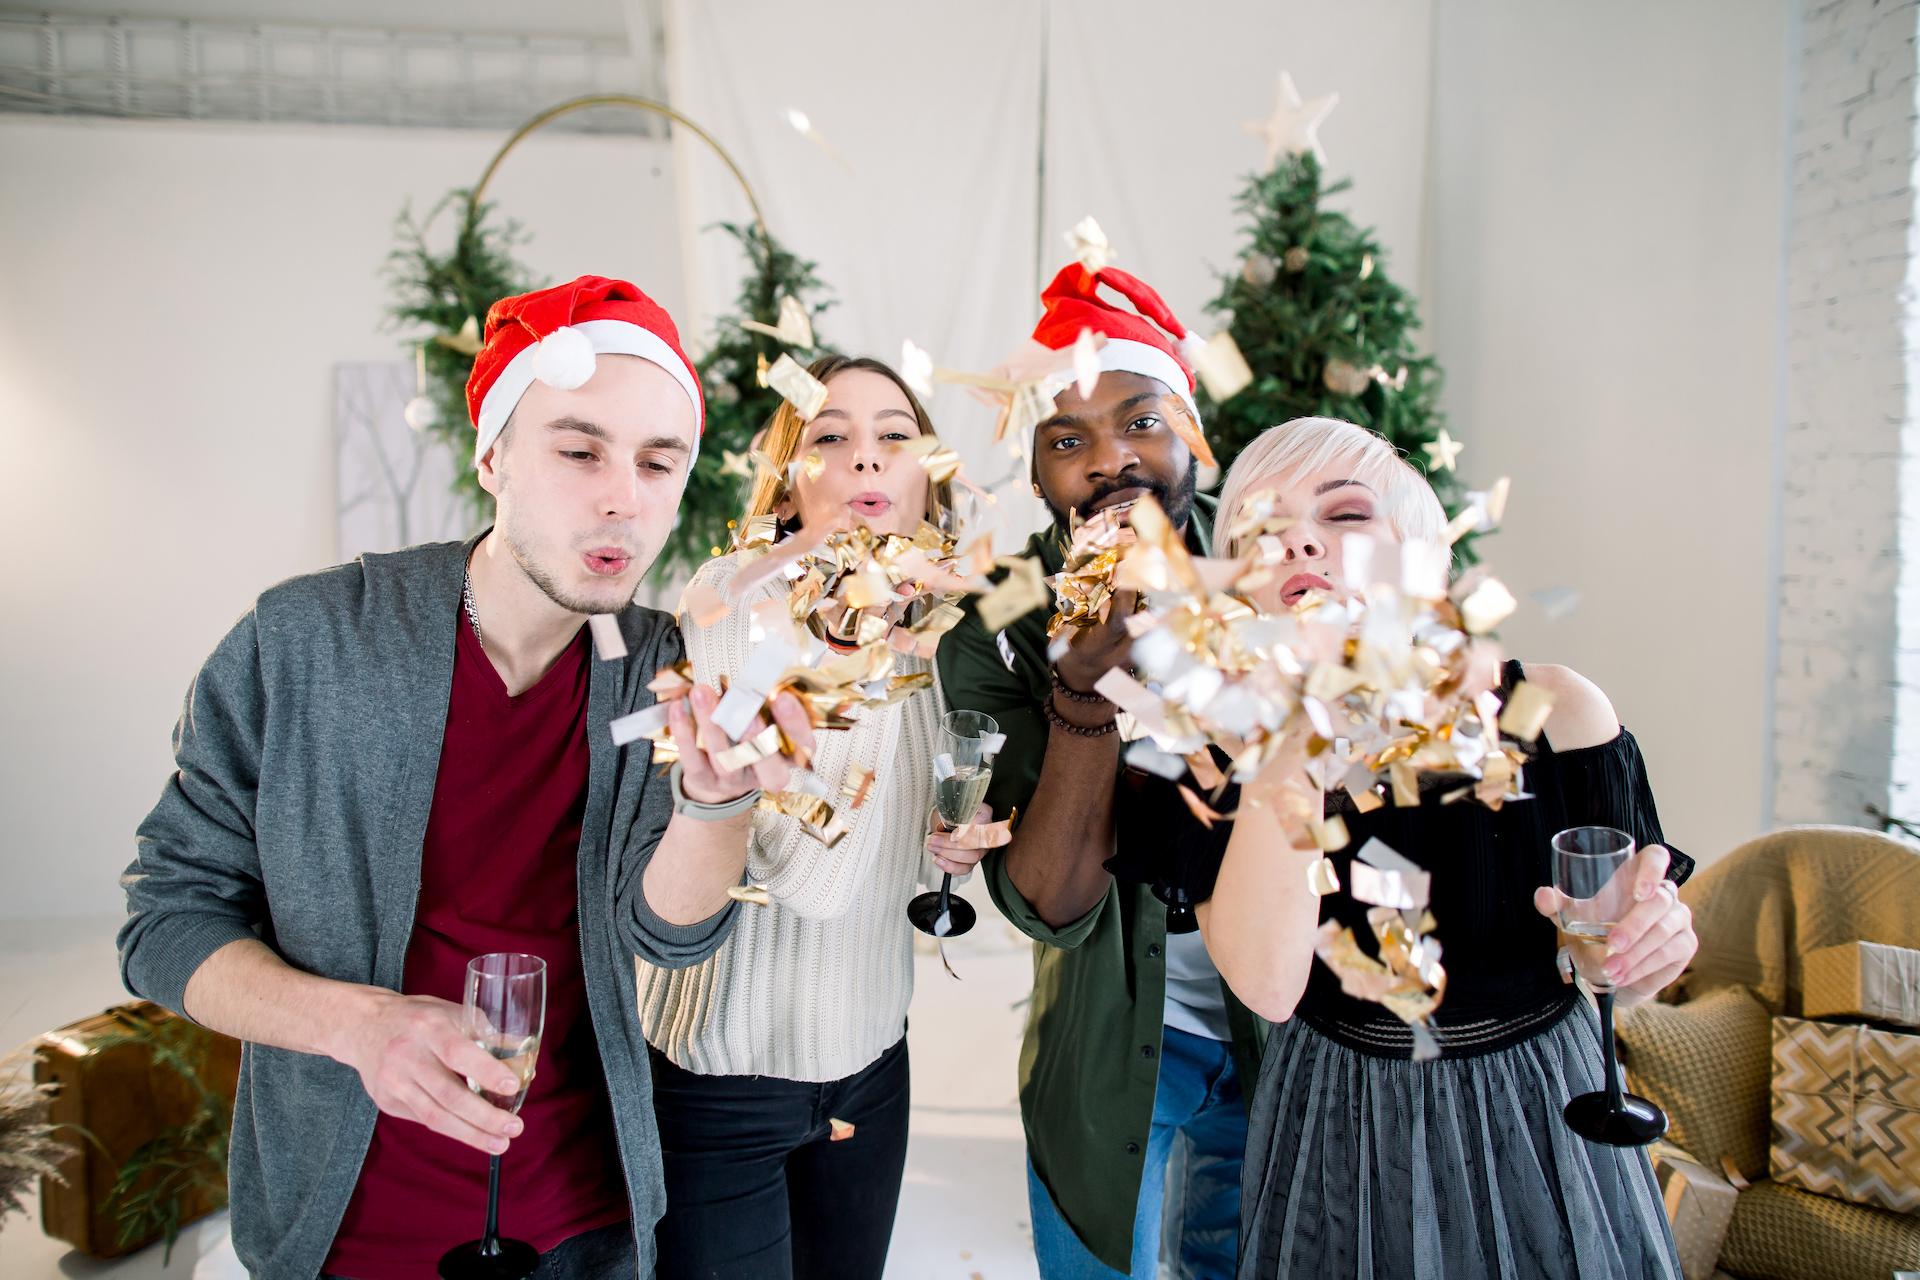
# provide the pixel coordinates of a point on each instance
(700, 810)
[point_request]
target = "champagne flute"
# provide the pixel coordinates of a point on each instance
(506, 1009)
(1593, 870)
(962, 769)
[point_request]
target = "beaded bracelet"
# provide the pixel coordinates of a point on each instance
(1059, 721)
(1074, 695)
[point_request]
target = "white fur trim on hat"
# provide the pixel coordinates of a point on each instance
(1124, 355)
(609, 338)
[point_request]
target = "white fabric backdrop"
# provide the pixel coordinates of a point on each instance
(927, 229)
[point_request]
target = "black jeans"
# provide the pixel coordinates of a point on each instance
(756, 1187)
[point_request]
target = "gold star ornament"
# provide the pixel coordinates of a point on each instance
(1443, 451)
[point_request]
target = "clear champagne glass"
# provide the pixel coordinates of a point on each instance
(506, 1009)
(962, 770)
(1593, 870)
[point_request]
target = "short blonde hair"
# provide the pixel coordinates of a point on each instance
(1308, 445)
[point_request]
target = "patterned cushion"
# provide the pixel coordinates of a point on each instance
(1709, 1064)
(1784, 1233)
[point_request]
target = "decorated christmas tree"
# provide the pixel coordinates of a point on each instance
(1324, 328)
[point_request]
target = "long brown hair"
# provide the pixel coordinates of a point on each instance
(781, 441)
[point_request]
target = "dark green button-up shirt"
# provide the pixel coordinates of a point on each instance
(1091, 1059)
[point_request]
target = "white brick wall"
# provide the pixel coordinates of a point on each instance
(1846, 731)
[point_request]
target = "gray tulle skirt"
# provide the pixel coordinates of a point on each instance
(1363, 1166)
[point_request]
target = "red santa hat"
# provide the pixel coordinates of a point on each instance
(1147, 340)
(555, 334)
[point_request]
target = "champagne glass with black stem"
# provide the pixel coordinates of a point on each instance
(506, 1009)
(1593, 870)
(962, 769)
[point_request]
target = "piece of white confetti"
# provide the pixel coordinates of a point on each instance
(607, 640)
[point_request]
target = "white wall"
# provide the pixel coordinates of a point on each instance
(175, 298)
(1847, 685)
(1605, 286)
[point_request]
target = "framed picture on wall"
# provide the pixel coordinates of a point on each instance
(394, 485)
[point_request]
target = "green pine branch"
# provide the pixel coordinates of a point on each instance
(434, 295)
(737, 405)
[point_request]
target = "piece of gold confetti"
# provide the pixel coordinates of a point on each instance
(792, 326)
(839, 1129)
(1526, 711)
(858, 782)
(752, 894)
(815, 816)
(1222, 369)
(1023, 590)
(806, 393)
(1487, 606)
(466, 341)
(736, 464)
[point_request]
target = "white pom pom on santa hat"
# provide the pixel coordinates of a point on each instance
(1192, 346)
(564, 359)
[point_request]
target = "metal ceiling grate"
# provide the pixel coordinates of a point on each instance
(133, 67)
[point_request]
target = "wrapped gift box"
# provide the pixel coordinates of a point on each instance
(1862, 980)
(1699, 1209)
(1846, 1112)
(117, 1098)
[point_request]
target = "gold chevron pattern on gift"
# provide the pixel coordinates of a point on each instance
(1846, 1112)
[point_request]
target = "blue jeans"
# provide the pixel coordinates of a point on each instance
(1198, 1115)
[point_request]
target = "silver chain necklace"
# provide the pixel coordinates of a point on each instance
(466, 600)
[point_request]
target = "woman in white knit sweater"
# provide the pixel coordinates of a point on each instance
(780, 1063)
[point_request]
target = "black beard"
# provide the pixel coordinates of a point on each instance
(1176, 501)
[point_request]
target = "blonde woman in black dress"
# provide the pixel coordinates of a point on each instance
(1361, 1161)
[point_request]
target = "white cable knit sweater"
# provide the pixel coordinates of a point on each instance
(814, 986)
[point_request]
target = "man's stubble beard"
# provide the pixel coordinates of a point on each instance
(539, 575)
(1177, 501)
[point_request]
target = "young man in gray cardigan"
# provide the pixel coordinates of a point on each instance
(396, 764)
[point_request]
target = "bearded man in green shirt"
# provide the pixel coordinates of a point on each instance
(1134, 1048)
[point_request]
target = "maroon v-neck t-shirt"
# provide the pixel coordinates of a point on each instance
(499, 873)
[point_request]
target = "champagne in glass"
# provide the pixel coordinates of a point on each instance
(1593, 870)
(505, 1012)
(959, 793)
(517, 1053)
(962, 770)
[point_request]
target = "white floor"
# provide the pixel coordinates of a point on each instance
(963, 1210)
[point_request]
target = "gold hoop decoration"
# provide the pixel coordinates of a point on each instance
(611, 100)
